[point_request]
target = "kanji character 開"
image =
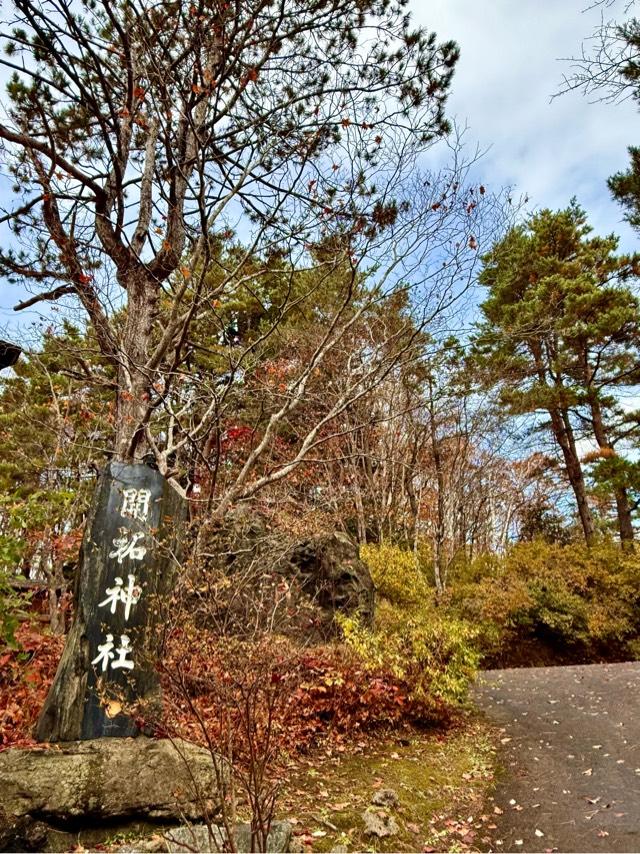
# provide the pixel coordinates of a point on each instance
(105, 653)
(125, 546)
(135, 503)
(119, 593)
(123, 650)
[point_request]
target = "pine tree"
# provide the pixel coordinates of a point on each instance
(54, 431)
(135, 134)
(561, 336)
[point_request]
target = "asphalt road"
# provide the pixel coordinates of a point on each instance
(570, 757)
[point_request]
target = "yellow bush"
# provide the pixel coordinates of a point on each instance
(434, 654)
(397, 573)
(569, 594)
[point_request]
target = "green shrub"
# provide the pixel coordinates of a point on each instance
(431, 653)
(12, 603)
(581, 601)
(569, 595)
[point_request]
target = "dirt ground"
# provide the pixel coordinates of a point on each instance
(570, 757)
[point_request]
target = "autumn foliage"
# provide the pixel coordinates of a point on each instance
(315, 693)
(25, 676)
(308, 693)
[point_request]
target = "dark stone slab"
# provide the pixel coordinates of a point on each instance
(127, 566)
(9, 354)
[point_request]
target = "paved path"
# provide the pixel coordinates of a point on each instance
(571, 757)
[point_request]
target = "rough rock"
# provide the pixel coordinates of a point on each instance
(378, 823)
(108, 778)
(22, 833)
(199, 838)
(322, 575)
(385, 798)
(331, 572)
(195, 837)
(155, 844)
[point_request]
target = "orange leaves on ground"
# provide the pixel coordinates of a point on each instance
(25, 677)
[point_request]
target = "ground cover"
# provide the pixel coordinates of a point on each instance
(443, 781)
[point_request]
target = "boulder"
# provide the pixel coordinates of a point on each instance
(321, 575)
(108, 779)
(199, 838)
(331, 572)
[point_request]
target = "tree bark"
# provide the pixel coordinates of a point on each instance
(563, 433)
(134, 377)
(439, 564)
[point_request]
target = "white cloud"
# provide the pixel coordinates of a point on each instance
(508, 71)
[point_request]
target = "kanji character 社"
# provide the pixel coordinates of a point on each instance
(123, 650)
(105, 653)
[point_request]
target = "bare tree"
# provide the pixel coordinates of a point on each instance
(607, 64)
(136, 133)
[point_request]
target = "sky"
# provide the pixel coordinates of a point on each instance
(510, 66)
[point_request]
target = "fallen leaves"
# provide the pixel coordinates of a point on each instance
(24, 681)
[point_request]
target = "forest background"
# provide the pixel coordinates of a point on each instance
(289, 316)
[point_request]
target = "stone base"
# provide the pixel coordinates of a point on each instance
(199, 838)
(73, 785)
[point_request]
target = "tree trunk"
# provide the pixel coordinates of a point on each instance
(563, 433)
(130, 543)
(625, 520)
(134, 377)
(360, 516)
(56, 615)
(439, 555)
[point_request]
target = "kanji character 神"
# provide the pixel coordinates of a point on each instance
(119, 593)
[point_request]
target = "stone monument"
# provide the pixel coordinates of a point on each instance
(126, 574)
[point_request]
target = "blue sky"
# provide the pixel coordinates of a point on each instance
(509, 68)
